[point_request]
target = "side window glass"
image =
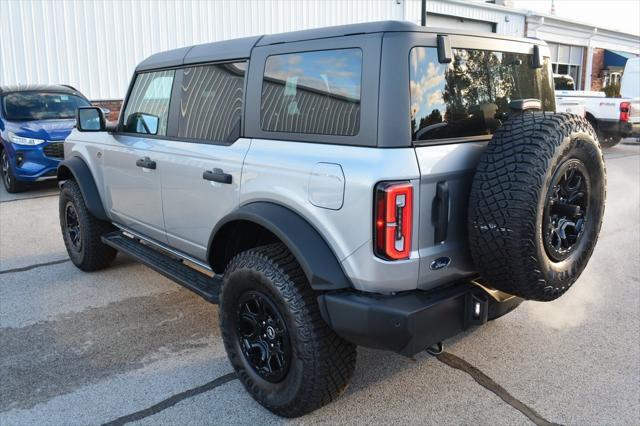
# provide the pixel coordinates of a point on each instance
(211, 102)
(471, 95)
(147, 109)
(313, 92)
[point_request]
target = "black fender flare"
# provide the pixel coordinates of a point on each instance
(76, 168)
(316, 258)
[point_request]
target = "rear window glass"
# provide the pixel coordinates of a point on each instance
(313, 92)
(470, 96)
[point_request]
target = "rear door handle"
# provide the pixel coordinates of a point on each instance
(217, 175)
(147, 163)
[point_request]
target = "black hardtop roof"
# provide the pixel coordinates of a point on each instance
(58, 88)
(240, 48)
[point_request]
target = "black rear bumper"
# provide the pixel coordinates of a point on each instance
(615, 128)
(406, 323)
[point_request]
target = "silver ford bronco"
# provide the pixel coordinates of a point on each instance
(379, 184)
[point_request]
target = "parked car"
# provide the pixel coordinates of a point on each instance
(380, 184)
(34, 122)
(630, 89)
(608, 116)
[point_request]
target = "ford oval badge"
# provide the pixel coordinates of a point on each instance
(439, 263)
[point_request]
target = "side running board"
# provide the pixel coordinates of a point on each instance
(168, 265)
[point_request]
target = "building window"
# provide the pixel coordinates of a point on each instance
(313, 92)
(567, 60)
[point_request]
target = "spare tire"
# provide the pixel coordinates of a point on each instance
(536, 204)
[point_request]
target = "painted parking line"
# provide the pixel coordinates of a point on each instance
(36, 265)
(172, 400)
(488, 383)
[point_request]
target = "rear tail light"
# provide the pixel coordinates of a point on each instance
(393, 220)
(625, 111)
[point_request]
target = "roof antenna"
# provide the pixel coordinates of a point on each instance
(553, 7)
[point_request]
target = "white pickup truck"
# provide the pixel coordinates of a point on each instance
(630, 88)
(608, 116)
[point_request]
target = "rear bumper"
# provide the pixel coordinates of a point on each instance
(409, 322)
(615, 127)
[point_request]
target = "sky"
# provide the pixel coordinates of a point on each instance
(622, 15)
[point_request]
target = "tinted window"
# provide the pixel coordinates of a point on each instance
(149, 98)
(41, 105)
(471, 95)
(313, 92)
(211, 101)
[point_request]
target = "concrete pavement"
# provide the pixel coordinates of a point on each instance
(78, 348)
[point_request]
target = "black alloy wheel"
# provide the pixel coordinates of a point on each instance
(565, 213)
(6, 170)
(263, 336)
(73, 230)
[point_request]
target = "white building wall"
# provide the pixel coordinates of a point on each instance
(95, 45)
(508, 22)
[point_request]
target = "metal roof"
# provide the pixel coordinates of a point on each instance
(238, 48)
(58, 88)
(241, 48)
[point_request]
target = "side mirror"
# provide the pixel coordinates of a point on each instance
(90, 119)
(105, 111)
(139, 122)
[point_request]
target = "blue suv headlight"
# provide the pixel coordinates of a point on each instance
(21, 140)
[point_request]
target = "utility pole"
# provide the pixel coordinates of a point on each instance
(423, 18)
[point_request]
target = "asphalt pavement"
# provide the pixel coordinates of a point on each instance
(125, 345)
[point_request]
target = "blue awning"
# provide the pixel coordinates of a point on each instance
(616, 58)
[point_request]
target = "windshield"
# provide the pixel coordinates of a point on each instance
(470, 96)
(20, 106)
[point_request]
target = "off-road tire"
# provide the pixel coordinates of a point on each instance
(509, 197)
(322, 363)
(92, 254)
(9, 181)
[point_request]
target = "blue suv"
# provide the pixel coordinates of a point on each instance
(34, 122)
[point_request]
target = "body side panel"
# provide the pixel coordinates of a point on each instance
(279, 171)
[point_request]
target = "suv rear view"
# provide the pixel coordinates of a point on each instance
(377, 184)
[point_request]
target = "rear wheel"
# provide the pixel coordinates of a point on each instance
(8, 177)
(82, 231)
(536, 205)
(285, 355)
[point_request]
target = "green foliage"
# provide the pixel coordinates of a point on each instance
(612, 90)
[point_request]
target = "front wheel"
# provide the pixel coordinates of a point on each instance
(8, 177)
(285, 355)
(82, 231)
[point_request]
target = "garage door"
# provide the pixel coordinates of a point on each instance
(444, 21)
